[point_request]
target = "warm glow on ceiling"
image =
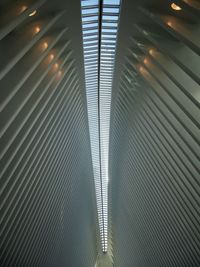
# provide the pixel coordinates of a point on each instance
(56, 66)
(141, 69)
(169, 23)
(37, 29)
(33, 13)
(151, 51)
(175, 7)
(45, 45)
(23, 8)
(59, 73)
(145, 61)
(51, 56)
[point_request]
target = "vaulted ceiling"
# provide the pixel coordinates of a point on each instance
(48, 202)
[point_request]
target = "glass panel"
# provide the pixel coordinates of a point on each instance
(89, 3)
(90, 31)
(85, 19)
(109, 24)
(90, 11)
(111, 2)
(85, 26)
(110, 10)
(110, 18)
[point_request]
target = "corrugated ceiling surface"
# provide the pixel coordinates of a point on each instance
(155, 137)
(47, 201)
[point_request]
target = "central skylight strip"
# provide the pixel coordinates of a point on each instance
(99, 44)
(107, 59)
(90, 28)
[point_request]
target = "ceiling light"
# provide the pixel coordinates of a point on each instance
(45, 45)
(23, 8)
(33, 13)
(175, 7)
(37, 29)
(145, 61)
(51, 56)
(55, 66)
(169, 23)
(151, 51)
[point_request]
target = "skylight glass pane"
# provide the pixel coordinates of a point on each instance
(109, 30)
(110, 10)
(111, 2)
(109, 24)
(90, 31)
(90, 37)
(86, 19)
(110, 18)
(85, 26)
(109, 41)
(90, 11)
(90, 42)
(89, 3)
(105, 36)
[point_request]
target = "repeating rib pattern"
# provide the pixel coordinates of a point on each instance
(47, 201)
(155, 137)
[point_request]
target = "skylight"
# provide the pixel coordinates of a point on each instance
(99, 27)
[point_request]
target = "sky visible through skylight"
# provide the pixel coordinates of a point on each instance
(98, 80)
